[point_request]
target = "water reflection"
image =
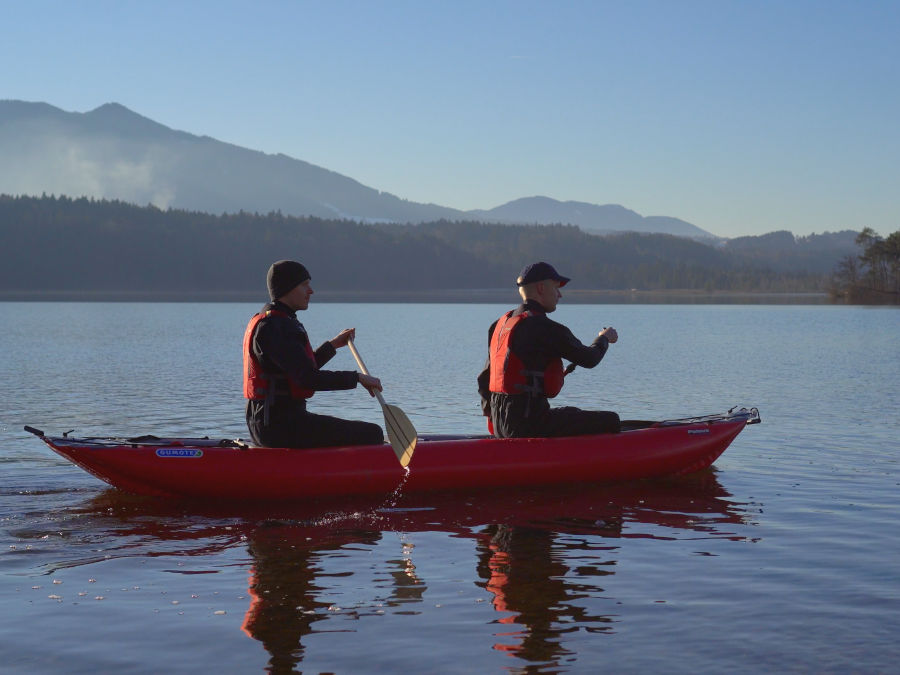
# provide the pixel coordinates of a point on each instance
(530, 592)
(543, 557)
(283, 590)
(539, 574)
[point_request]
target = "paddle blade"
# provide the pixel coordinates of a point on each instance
(401, 433)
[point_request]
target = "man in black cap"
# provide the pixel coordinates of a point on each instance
(524, 367)
(281, 371)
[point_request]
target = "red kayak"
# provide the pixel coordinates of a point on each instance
(233, 470)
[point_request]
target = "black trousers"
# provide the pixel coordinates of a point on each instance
(514, 417)
(292, 426)
(569, 421)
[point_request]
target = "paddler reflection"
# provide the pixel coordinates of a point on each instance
(288, 587)
(285, 598)
(539, 575)
(533, 592)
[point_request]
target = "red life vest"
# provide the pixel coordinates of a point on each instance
(257, 382)
(508, 373)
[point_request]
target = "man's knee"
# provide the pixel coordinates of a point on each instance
(611, 423)
(370, 434)
(569, 421)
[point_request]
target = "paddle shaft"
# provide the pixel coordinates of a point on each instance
(401, 433)
(362, 367)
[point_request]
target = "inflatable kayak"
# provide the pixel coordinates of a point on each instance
(233, 470)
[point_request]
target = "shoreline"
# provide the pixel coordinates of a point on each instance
(454, 296)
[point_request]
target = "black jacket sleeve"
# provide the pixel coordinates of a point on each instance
(570, 348)
(281, 342)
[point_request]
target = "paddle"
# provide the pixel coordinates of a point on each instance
(401, 433)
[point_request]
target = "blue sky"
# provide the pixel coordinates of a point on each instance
(740, 117)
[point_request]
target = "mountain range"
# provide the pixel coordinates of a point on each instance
(112, 152)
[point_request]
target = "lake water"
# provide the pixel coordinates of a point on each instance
(783, 558)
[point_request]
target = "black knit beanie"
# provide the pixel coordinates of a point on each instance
(283, 276)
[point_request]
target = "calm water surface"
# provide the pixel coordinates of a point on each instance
(784, 558)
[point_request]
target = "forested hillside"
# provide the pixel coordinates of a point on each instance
(56, 244)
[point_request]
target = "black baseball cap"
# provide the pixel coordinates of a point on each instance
(540, 271)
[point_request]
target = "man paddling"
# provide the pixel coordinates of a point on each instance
(281, 371)
(524, 367)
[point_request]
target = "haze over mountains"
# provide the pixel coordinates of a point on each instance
(114, 153)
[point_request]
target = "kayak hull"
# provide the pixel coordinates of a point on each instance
(199, 468)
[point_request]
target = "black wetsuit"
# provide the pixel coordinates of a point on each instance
(536, 341)
(279, 344)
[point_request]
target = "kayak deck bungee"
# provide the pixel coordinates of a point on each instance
(233, 470)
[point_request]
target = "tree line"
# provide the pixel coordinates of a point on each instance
(873, 276)
(52, 244)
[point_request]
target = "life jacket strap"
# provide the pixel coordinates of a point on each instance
(537, 379)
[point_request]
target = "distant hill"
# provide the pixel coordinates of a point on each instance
(783, 252)
(589, 217)
(114, 153)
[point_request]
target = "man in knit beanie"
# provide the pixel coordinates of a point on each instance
(282, 371)
(283, 276)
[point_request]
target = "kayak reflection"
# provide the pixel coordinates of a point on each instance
(539, 553)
